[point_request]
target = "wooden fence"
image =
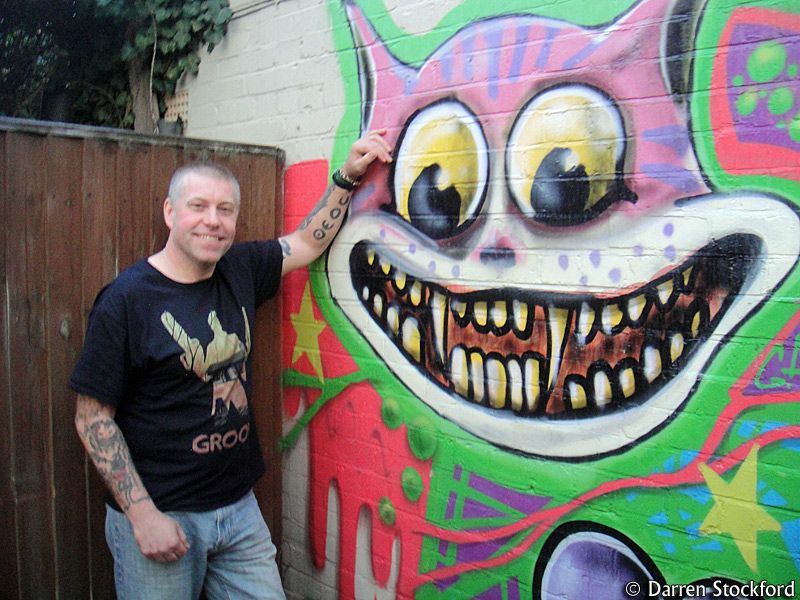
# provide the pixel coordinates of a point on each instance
(78, 204)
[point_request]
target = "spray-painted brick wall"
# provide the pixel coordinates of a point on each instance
(553, 352)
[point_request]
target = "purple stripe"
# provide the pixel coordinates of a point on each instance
(520, 45)
(467, 48)
(544, 55)
(681, 179)
(580, 56)
(494, 40)
(670, 136)
(524, 503)
(477, 510)
(451, 507)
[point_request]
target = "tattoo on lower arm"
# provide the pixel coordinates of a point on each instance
(287, 248)
(109, 452)
(323, 202)
(329, 222)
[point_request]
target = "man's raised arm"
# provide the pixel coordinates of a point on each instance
(316, 232)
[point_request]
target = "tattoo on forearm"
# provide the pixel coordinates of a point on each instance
(109, 452)
(329, 222)
(287, 248)
(314, 211)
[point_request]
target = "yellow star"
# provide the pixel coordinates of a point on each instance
(307, 328)
(736, 510)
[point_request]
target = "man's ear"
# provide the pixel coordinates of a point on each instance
(168, 211)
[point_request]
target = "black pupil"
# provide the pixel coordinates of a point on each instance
(559, 195)
(433, 211)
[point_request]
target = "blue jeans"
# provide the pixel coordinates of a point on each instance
(231, 556)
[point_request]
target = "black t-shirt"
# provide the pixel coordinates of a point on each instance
(174, 361)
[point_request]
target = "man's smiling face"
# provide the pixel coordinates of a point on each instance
(202, 220)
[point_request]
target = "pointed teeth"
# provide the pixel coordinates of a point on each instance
(687, 278)
(676, 346)
(557, 324)
(515, 383)
(393, 319)
(480, 313)
(438, 304)
(415, 294)
(459, 308)
(585, 322)
(627, 381)
(496, 382)
(370, 257)
(476, 375)
(664, 292)
(459, 371)
(601, 386)
(520, 313)
(385, 266)
(611, 318)
(499, 314)
(576, 395)
(651, 363)
(377, 305)
(532, 382)
(400, 280)
(635, 307)
(411, 338)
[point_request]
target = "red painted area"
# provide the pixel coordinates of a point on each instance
(735, 156)
(354, 451)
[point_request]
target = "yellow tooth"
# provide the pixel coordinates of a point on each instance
(459, 373)
(480, 313)
(411, 338)
(393, 318)
(602, 388)
(520, 314)
(651, 366)
(496, 382)
(499, 313)
(627, 382)
(676, 346)
(416, 293)
(532, 383)
(557, 323)
(400, 280)
(612, 316)
(385, 266)
(438, 305)
(515, 382)
(696, 320)
(377, 305)
(476, 376)
(371, 257)
(636, 305)
(665, 291)
(687, 275)
(577, 395)
(459, 307)
(585, 322)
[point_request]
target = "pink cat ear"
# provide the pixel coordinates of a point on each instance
(380, 74)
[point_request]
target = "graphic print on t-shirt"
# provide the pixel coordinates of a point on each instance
(222, 361)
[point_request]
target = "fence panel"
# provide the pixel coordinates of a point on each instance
(79, 204)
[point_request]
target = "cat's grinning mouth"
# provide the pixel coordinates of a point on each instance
(554, 355)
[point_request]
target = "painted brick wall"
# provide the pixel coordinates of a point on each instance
(553, 351)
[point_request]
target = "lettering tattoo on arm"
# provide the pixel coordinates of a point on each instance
(286, 247)
(323, 202)
(109, 452)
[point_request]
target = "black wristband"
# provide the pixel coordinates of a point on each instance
(343, 181)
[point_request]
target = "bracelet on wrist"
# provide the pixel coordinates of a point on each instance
(343, 181)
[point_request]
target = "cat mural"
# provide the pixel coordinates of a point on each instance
(548, 275)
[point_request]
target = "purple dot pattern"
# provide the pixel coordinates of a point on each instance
(668, 229)
(669, 252)
(432, 266)
(594, 257)
(614, 275)
(456, 271)
(563, 261)
(638, 250)
(412, 248)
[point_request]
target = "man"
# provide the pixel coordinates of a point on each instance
(163, 389)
